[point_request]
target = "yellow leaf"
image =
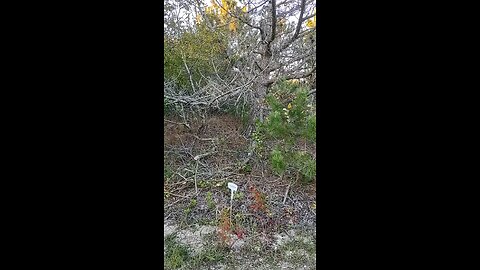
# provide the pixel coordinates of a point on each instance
(232, 26)
(289, 106)
(310, 23)
(244, 9)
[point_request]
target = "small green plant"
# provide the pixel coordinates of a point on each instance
(238, 195)
(246, 169)
(176, 255)
(202, 184)
(190, 206)
(210, 202)
(211, 254)
(167, 172)
(259, 139)
(167, 108)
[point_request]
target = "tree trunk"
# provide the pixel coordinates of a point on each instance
(258, 109)
(259, 105)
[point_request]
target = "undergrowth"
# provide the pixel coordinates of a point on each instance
(290, 124)
(176, 255)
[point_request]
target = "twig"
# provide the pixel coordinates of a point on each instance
(188, 71)
(165, 218)
(288, 188)
(176, 195)
(183, 114)
(204, 139)
(197, 157)
(183, 177)
(286, 192)
(179, 200)
(185, 124)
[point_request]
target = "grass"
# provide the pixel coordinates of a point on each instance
(191, 206)
(177, 254)
(211, 255)
(167, 172)
(210, 202)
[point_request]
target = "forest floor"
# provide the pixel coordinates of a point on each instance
(266, 229)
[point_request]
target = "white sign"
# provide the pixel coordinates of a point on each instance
(232, 186)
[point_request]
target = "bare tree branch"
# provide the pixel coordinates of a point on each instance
(298, 27)
(274, 21)
(291, 76)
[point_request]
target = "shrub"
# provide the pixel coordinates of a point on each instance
(197, 49)
(290, 121)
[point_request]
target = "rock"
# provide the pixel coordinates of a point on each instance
(238, 244)
(167, 230)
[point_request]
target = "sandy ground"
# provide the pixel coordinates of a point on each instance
(289, 250)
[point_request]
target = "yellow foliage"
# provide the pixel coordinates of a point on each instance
(198, 18)
(222, 10)
(232, 26)
(209, 10)
(311, 23)
(244, 9)
(296, 81)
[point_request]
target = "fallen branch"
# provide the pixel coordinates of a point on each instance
(204, 139)
(176, 195)
(286, 193)
(288, 188)
(185, 124)
(175, 202)
(198, 157)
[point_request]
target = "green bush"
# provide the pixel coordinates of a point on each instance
(199, 48)
(290, 120)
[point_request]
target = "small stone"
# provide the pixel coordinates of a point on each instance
(167, 230)
(238, 244)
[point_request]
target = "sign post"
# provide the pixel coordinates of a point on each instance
(233, 187)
